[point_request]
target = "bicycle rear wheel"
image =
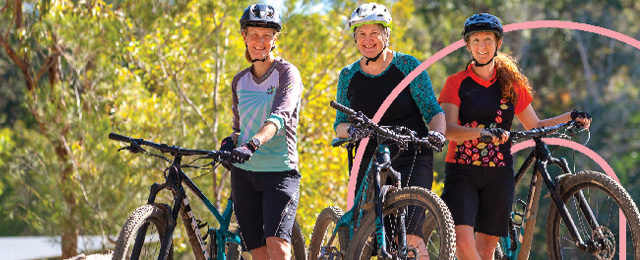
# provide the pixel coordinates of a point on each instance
(607, 200)
(297, 243)
(437, 226)
(319, 247)
(150, 219)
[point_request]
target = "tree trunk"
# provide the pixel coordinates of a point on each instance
(70, 231)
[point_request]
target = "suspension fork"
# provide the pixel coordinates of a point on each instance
(382, 162)
(155, 189)
(545, 158)
(178, 198)
(401, 229)
(172, 183)
(564, 212)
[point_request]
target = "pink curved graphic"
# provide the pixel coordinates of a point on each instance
(444, 52)
(601, 162)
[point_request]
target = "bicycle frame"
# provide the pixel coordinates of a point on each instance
(540, 158)
(175, 181)
(380, 168)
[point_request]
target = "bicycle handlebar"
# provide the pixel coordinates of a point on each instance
(536, 132)
(173, 150)
(383, 132)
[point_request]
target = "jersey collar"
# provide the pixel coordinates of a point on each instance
(477, 79)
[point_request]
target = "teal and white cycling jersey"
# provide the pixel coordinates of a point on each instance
(273, 97)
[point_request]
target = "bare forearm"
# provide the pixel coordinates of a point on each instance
(555, 120)
(458, 133)
(266, 132)
(438, 123)
(342, 131)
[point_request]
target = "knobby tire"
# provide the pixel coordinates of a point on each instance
(606, 198)
(155, 215)
(322, 232)
(440, 238)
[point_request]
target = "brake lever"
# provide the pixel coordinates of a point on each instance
(133, 149)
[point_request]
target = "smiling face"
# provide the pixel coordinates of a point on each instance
(483, 46)
(259, 41)
(370, 39)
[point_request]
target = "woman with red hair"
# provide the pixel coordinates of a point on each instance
(483, 100)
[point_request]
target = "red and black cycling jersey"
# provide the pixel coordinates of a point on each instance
(481, 105)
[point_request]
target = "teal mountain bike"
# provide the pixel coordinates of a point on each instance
(377, 225)
(148, 232)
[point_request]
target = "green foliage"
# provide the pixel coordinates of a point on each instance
(162, 70)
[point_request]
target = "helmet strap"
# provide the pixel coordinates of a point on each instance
(485, 64)
(374, 59)
(265, 58)
(477, 64)
(254, 60)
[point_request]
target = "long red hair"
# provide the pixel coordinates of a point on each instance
(510, 77)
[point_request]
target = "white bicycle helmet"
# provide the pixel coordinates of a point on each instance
(370, 13)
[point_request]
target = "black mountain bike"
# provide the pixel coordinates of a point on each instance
(148, 232)
(376, 226)
(585, 218)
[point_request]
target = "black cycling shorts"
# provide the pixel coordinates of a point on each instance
(480, 197)
(265, 204)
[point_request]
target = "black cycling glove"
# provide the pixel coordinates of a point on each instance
(227, 144)
(575, 114)
(241, 154)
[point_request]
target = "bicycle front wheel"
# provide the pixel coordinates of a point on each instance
(320, 246)
(425, 211)
(141, 236)
(607, 200)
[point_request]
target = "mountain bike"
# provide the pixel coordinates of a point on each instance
(148, 232)
(377, 224)
(585, 218)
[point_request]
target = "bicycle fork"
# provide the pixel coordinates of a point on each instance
(382, 164)
(167, 239)
(541, 166)
(589, 246)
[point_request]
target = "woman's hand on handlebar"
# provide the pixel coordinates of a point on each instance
(437, 139)
(581, 117)
(358, 133)
(494, 135)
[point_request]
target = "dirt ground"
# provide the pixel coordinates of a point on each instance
(106, 256)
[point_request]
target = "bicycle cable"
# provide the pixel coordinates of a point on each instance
(568, 136)
(214, 165)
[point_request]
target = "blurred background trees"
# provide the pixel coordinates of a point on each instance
(74, 71)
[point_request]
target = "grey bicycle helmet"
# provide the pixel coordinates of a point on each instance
(261, 15)
(482, 22)
(370, 13)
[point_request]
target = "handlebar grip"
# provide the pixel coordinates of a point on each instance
(121, 138)
(342, 108)
(486, 139)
